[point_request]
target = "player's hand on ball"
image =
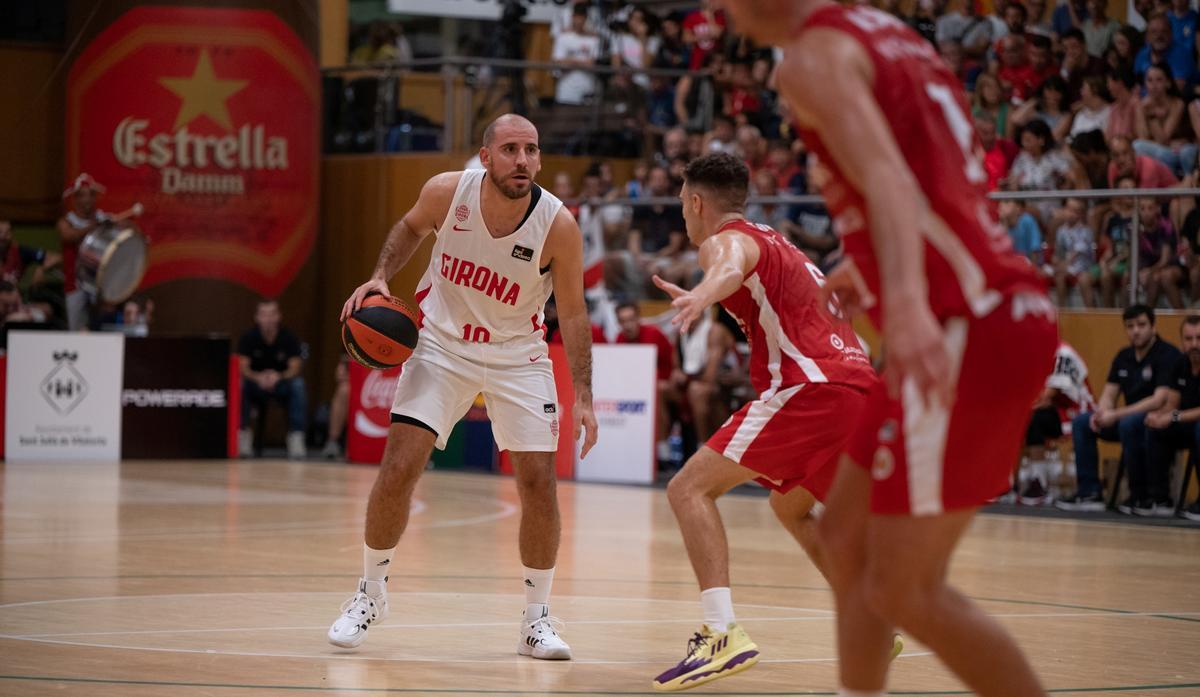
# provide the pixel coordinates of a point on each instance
(688, 307)
(585, 420)
(375, 285)
(915, 349)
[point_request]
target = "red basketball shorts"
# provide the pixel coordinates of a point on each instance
(926, 461)
(795, 437)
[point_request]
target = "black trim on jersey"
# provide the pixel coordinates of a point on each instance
(546, 269)
(402, 419)
(535, 195)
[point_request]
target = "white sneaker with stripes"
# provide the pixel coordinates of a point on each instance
(540, 639)
(369, 606)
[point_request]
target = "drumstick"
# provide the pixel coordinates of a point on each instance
(132, 212)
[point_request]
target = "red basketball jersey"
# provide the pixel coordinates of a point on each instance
(793, 340)
(969, 262)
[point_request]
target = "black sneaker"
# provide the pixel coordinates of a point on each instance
(1081, 502)
(1192, 512)
(1149, 508)
(1034, 493)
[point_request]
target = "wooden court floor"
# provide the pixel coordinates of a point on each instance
(221, 578)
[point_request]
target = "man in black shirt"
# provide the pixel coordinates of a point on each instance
(270, 360)
(1140, 373)
(1176, 425)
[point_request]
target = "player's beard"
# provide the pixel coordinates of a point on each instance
(510, 189)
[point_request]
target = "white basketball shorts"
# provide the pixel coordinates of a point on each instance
(441, 379)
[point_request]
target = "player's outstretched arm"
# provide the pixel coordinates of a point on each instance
(423, 218)
(726, 260)
(565, 247)
(854, 129)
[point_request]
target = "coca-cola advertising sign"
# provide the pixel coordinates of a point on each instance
(370, 413)
(209, 119)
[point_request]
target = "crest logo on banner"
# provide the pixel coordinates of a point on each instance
(209, 119)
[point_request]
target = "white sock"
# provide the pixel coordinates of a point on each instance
(860, 693)
(537, 591)
(718, 608)
(376, 563)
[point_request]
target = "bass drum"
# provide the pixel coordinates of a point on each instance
(112, 260)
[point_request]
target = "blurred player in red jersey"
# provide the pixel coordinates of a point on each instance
(969, 335)
(812, 376)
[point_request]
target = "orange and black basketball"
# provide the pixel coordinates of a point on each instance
(382, 333)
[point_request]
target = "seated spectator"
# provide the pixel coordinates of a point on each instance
(1041, 58)
(1093, 111)
(1077, 64)
(132, 317)
(1159, 270)
(637, 46)
(989, 101)
(674, 145)
(1098, 29)
(657, 235)
(1074, 254)
(703, 32)
(1047, 104)
(576, 48)
(1023, 230)
(775, 215)
(1122, 118)
(751, 147)
(339, 409)
(697, 98)
(15, 258)
(1066, 396)
(554, 336)
(1140, 373)
(720, 383)
(743, 101)
(634, 331)
(1183, 22)
(789, 175)
(1148, 172)
(1161, 49)
(380, 46)
(998, 153)
(1038, 24)
(13, 308)
(271, 360)
(673, 53)
(1174, 426)
(1116, 231)
(660, 105)
(964, 69)
(1039, 167)
(1164, 129)
(1015, 70)
(722, 137)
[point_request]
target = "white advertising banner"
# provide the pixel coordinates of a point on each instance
(540, 12)
(63, 397)
(623, 393)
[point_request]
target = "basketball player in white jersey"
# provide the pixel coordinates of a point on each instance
(502, 243)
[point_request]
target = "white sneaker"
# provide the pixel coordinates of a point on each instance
(331, 450)
(368, 606)
(540, 639)
(245, 443)
(296, 449)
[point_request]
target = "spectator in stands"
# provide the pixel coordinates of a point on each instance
(1038, 24)
(1159, 270)
(722, 137)
(271, 360)
(1089, 161)
(721, 383)
(1077, 64)
(132, 317)
(1023, 230)
(657, 234)
(697, 99)
(703, 32)
(1015, 72)
(1122, 118)
(1174, 426)
(1049, 105)
(789, 175)
(1116, 231)
(969, 30)
(1074, 254)
(673, 53)
(775, 215)
(998, 153)
(575, 47)
(628, 101)
(924, 19)
(1041, 57)
(1094, 110)
(1164, 129)
(1148, 172)
(964, 68)
(339, 409)
(660, 106)
(637, 46)
(1068, 15)
(1039, 167)
(1098, 28)
(989, 101)
(13, 308)
(634, 331)
(1140, 373)
(15, 258)
(1161, 48)
(380, 46)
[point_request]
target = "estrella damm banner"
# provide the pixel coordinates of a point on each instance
(209, 119)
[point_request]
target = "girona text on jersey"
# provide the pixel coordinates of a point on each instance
(462, 272)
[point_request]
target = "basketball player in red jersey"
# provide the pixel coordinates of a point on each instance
(812, 376)
(501, 245)
(969, 336)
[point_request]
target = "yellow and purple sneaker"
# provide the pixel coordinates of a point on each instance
(710, 655)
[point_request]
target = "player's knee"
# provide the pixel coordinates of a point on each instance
(682, 488)
(897, 595)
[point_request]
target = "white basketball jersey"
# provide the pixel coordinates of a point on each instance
(482, 289)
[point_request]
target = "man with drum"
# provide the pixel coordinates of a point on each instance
(72, 228)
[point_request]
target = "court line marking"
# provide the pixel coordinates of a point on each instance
(479, 691)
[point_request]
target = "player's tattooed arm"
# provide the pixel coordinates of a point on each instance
(425, 217)
(564, 253)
